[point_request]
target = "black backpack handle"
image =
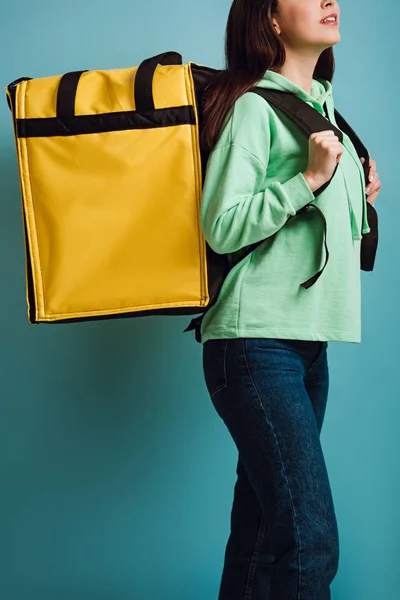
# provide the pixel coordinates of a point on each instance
(144, 100)
(66, 94)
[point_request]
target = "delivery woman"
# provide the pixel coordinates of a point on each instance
(265, 339)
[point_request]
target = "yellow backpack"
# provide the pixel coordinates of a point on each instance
(111, 174)
(111, 179)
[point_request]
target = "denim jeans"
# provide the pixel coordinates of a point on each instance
(271, 395)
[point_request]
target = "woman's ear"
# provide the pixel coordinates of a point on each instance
(276, 26)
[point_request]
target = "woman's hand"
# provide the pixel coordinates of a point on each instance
(324, 152)
(374, 185)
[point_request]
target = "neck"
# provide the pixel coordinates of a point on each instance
(299, 68)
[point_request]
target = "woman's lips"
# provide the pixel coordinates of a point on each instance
(333, 23)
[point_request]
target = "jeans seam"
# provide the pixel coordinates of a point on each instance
(225, 382)
(225, 349)
(282, 463)
(254, 557)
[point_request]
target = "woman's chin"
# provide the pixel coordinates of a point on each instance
(330, 40)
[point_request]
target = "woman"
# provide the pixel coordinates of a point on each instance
(265, 339)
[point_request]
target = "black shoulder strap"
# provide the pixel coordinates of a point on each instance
(310, 120)
(369, 242)
(358, 145)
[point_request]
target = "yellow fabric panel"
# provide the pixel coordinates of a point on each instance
(113, 218)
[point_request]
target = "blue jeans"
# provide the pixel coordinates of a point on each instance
(271, 395)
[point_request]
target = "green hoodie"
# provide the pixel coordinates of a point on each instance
(254, 182)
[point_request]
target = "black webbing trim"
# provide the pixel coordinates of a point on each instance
(307, 284)
(195, 324)
(101, 123)
(29, 276)
(178, 311)
(11, 89)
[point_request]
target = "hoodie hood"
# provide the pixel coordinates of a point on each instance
(321, 90)
(321, 98)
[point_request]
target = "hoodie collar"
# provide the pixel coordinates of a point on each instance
(321, 93)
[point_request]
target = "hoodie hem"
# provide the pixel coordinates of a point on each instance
(260, 332)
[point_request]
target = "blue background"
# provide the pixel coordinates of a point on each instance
(116, 473)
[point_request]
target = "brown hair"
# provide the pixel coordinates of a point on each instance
(251, 47)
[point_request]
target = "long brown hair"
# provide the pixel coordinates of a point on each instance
(251, 47)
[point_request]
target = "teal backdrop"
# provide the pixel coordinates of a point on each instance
(116, 473)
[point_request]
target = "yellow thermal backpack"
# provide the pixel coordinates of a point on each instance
(111, 171)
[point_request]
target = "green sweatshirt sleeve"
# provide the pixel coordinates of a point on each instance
(235, 211)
